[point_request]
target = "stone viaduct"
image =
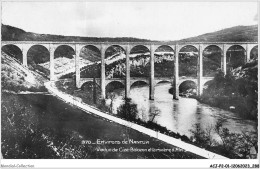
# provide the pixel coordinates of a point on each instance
(24, 46)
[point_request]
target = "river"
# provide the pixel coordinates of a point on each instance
(179, 115)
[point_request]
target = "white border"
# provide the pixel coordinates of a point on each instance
(128, 163)
(122, 163)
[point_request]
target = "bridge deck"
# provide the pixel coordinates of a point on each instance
(123, 43)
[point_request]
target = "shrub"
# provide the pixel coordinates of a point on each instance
(232, 145)
(128, 110)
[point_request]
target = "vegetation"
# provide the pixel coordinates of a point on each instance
(117, 69)
(14, 52)
(25, 136)
(188, 65)
(233, 145)
(212, 60)
(38, 54)
(16, 78)
(127, 110)
(237, 91)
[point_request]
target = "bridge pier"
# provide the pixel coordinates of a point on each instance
(151, 93)
(127, 77)
(25, 51)
(176, 74)
(224, 63)
(224, 60)
(247, 53)
(52, 49)
(103, 73)
(200, 72)
(77, 65)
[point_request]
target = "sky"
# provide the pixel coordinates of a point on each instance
(148, 20)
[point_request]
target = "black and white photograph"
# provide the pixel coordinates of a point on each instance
(170, 83)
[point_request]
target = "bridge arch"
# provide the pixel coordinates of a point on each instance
(187, 47)
(91, 53)
(107, 50)
(91, 56)
(188, 61)
(212, 55)
(38, 54)
(138, 83)
(110, 86)
(89, 85)
(254, 53)
(217, 45)
(207, 84)
(164, 61)
(38, 57)
(162, 81)
(96, 47)
(111, 50)
(140, 61)
(64, 51)
(164, 48)
(187, 86)
(13, 51)
(139, 48)
(236, 56)
(93, 92)
(115, 60)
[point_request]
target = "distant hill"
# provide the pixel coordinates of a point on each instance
(233, 34)
(10, 33)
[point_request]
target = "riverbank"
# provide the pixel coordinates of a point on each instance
(235, 104)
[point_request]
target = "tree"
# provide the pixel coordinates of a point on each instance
(128, 110)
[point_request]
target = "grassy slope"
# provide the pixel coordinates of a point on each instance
(10, 33)
(16, 77)
(233, 34)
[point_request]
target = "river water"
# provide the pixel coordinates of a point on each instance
(179, 115)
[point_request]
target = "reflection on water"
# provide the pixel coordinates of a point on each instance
(179, 115)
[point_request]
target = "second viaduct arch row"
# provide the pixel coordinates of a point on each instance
(122, 83)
